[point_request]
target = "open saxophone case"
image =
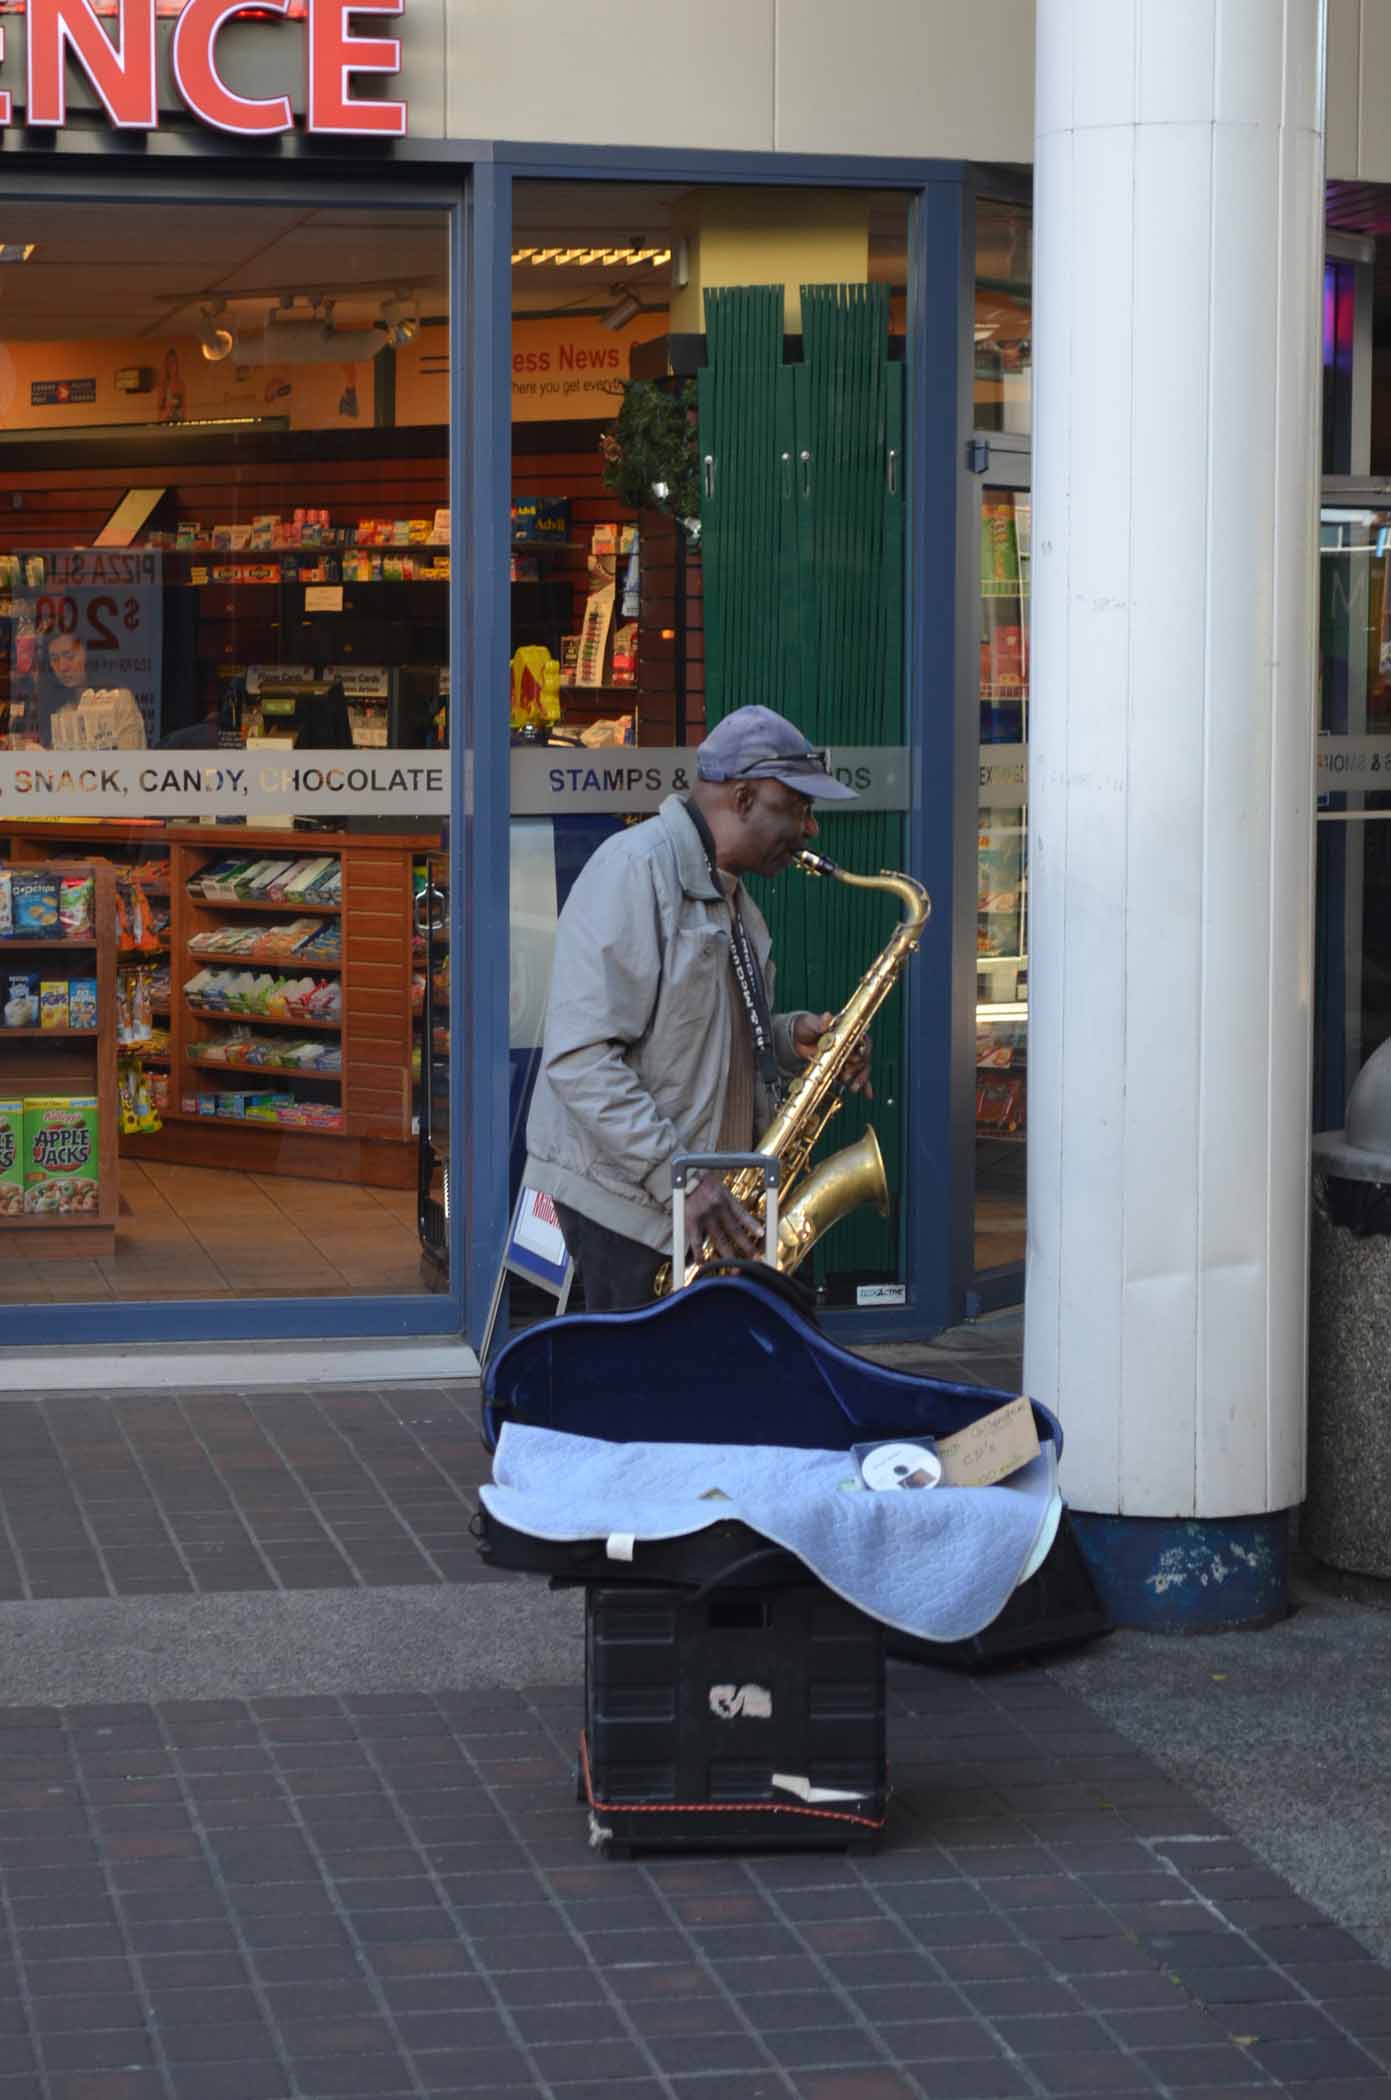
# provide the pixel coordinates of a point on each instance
(692, 1465)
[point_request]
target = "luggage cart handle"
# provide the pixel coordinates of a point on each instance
(687, 1167)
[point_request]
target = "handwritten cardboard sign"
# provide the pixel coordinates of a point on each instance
(991, 1449)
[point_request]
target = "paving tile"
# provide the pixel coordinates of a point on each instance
(768, 2085)
(949, 2082)
(1338, 1980)
(936, 2042)
(1296, 2062)
(1057, 2034)
(1224, 2064)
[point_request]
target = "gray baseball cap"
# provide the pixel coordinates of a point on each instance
(755, 744)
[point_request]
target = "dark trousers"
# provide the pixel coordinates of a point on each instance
(617, 1273)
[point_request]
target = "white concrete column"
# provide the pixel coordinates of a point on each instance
(1179, 216)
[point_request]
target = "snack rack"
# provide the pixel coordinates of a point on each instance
(375, 1144)
(68, 1061)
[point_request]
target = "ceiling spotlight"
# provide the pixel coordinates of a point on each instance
(215, 339)
(626, 307)
(400, 320)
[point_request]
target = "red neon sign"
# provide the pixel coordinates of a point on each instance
(121, 63)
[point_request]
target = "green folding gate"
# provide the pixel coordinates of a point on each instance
(802, 548)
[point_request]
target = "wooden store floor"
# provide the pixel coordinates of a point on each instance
(197, 1232)
(1000, 1230)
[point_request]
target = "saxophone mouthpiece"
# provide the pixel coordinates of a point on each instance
(814, 863)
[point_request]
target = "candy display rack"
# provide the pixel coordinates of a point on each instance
(67, 1062)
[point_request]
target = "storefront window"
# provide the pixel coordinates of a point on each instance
(224, 703)
(708, 510)
(1353, 923)
(1002, 903)
(1004, 316)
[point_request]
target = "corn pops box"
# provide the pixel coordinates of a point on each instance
(62, 1162)
(11, 1159)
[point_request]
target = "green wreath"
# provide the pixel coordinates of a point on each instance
(651, 454)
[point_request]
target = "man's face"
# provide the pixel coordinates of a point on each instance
(67, 659)
(777, 822)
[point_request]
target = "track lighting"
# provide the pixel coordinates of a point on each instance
(626, 307)
(215, 339)
(400, 320)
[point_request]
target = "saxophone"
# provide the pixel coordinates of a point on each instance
(855, 1174)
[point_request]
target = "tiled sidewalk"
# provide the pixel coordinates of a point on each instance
(394, 1895)
(233, 1492)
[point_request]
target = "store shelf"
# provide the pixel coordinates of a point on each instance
(231, 959)
(13, 941)
(269, 1126)
(48, 1035)
(287, 906)
(263, 1071)
(235, 1018)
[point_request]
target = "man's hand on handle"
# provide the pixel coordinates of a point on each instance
(712, 1214)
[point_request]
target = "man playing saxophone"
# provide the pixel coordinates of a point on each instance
(660, 1031)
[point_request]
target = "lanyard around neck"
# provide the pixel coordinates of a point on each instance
(747, 975)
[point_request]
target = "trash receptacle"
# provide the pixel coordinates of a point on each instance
(1347, 1516)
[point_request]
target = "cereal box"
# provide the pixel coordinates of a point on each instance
(53, 1002)
(21, 1008)
(82, 1002)
(62, 1171)
(11, 1159)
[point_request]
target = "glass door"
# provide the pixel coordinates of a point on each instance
(1353, 922)
(1002, 893)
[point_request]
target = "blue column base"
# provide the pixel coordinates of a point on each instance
(1189, 1574)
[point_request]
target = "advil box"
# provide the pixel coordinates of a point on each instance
(62, 1170)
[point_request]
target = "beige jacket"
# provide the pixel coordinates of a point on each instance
(637, 1041)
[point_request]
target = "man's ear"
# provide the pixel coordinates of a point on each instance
(744, 797)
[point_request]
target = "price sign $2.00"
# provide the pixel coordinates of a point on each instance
(98, 618)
